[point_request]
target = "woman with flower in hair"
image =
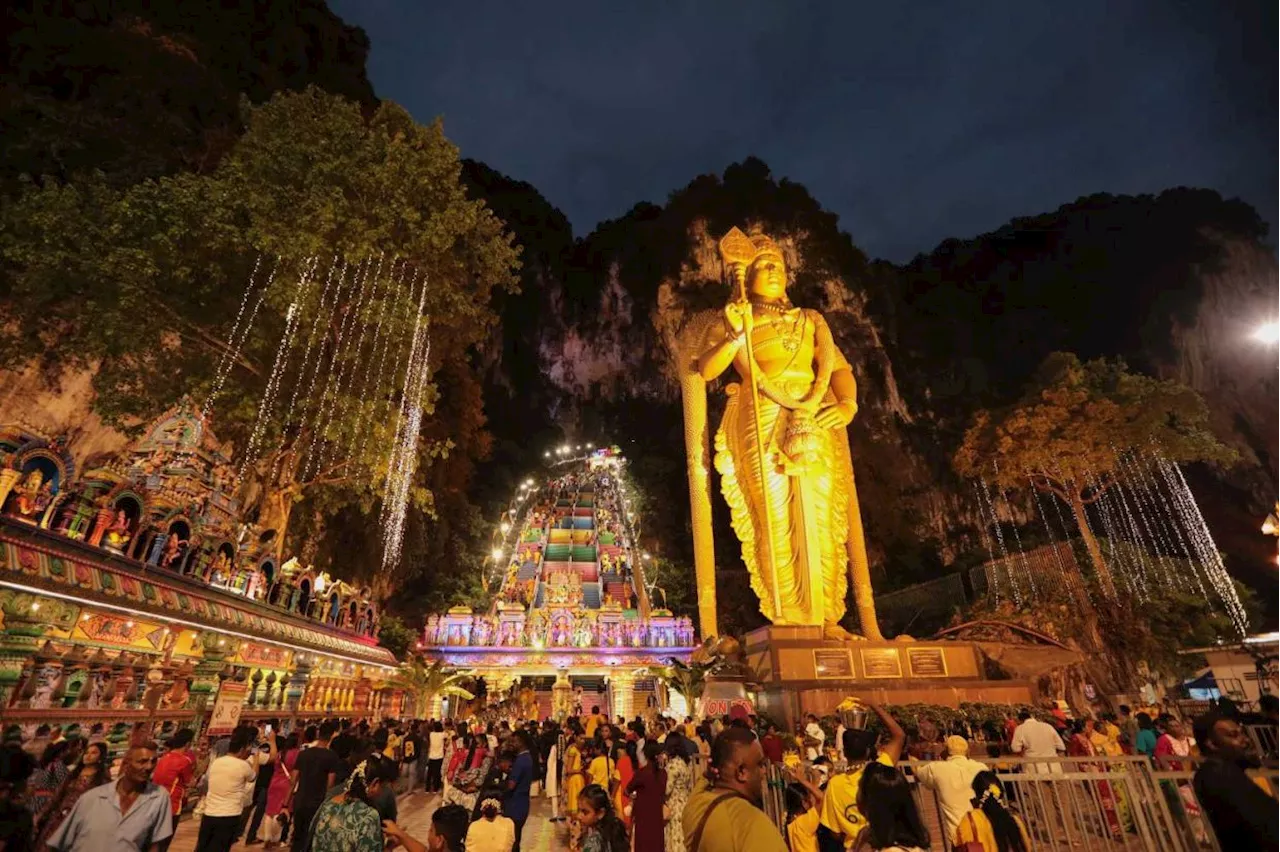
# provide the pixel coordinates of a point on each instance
(990, 823)
(348, 822)
(492, 832)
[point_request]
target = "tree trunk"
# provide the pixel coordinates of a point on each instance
(1100, 566)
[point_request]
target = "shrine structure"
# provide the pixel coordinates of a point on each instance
(572, 625)
(134, 593)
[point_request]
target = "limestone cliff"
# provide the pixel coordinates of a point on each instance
(1172, 283)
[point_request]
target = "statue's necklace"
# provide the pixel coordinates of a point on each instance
(789, 337)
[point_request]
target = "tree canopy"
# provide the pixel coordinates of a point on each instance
(310, 205)
(1070, 431)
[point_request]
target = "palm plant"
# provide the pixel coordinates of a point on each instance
(688, 679)
(430, 682)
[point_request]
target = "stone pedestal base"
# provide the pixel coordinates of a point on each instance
(799, 673)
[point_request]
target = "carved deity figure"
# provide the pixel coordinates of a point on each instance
(31, 496)
(782, 448)
(173, 550)
(118, 534)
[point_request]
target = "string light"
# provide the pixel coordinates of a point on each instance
(403, 460)
(267, 405)
(232, 351)
(312, 337)
(343, 359)
(393, 287)
(354, 355)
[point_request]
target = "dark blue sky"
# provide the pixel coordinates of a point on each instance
(913, 121)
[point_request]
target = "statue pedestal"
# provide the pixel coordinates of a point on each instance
(799, 672)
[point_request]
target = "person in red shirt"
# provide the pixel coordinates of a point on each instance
(771, 744)
(175, 772)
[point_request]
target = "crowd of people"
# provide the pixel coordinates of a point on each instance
(647, 785)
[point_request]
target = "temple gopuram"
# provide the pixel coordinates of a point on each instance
(134, 594)
(572, 625)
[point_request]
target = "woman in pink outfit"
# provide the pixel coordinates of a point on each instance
(278, 790)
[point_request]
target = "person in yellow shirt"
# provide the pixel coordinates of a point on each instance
(804, 814)
(393, 745)
(593, 722)
(990, 823)
(600, 768)
(723, 812)
(840, 811)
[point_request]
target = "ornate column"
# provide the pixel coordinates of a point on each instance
(561, 696)
(255, 681)
(8, 478)
(622, 686)
(45, 667)
(295, 692)
(157, 547)
(208, 672)
(100, 523)
(270, 689)
(26, 619)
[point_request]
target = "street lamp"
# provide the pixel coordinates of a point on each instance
(505, 527)
(497, 554)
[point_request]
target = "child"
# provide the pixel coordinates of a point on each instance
(602, 830)
(804, 806)
(492, 832)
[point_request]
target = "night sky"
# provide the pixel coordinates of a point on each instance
(913, 121)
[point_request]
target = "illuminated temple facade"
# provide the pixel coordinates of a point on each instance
(133, 593)
(572, 624)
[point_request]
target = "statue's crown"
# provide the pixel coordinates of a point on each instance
(737, 247)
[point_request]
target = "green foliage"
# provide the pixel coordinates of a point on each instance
(395, 636)
(1074, 420)
(144, 283)
(427, 682)
(688, 679)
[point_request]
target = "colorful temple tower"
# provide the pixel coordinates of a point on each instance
(571, 623)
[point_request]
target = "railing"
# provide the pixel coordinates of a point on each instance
(1068, 804)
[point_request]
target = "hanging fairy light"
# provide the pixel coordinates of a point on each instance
(403, 460)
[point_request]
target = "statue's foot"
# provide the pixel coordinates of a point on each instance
(835, 632)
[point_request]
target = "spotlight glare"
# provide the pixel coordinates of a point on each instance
(1267, 333)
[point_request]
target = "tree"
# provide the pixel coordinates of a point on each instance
(395, 636)
(427, 683)
(143, 284)
(1069, 432)
(688, 679)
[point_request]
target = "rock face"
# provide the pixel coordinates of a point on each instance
(1166, 282)
(138, 89)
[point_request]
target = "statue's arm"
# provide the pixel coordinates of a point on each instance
(843, 385)
(719, 353)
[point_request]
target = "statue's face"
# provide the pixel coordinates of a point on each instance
(768, 277)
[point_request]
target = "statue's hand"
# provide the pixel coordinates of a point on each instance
(738, 315)
(837, 416)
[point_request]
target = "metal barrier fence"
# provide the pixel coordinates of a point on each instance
(1069, 804)
(1120, 804)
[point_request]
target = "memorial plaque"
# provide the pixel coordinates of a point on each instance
(927, 662)
(881, 662)
(833, 663)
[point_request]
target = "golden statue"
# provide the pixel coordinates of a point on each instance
(782, 449)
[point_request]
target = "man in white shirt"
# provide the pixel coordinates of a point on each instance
(815, 737)
(1033, 738)
(435, 756)
(951, 780)
(231, 780)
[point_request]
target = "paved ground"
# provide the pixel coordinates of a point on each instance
(540, 834)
